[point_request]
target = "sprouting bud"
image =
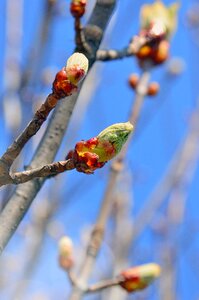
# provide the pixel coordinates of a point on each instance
(157, 29)
(77, 8)
(138, 278)
(117, 136)
(66, 80)
(76, 67)
(133, 80)
(159, 19)
(65, 253)
(94, 153)
(153, 89)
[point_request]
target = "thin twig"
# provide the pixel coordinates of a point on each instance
(134, 46)
(103, 285)
(44, 171)
(16, 147)
(20, 201)
(80, 40)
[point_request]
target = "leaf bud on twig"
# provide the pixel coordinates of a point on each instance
(138, 278)
(94, 153)
(65, 253)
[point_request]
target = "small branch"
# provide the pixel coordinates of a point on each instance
(135, 44)
(80, 41)
(72, 277)
(45, 171)
(16, 147)
(103, 285)
(20, 201)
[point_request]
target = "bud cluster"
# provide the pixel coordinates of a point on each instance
(158, 22)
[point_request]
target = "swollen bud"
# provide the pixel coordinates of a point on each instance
(94, 153)
(77, 8)
(117, 136)
(133, 80)
(65, 253)
(66, 80)
(138, 278)
(76, 67)
(153, 89)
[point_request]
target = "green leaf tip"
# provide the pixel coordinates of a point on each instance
(117, 134)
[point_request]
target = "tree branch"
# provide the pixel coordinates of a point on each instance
(134, 46)
(20, 201)
(44, 171)
(16, 147)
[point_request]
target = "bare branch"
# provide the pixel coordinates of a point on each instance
(135, 44)
(97, 287)
(35, 124)
(20, 201)
(44, 171)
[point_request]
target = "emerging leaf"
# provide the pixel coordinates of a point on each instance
(138, 278)
(94, 153)
(159, 17)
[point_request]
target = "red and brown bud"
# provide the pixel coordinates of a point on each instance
(77, 8)
(65, 253)
(94, 153)
(153, 89)
(62, 87)
(133, 80)
(66, 80)
(138, 278)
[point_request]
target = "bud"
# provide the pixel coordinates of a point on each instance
(65, 253)
(77, 8)
(117, 136)
(161, 53)
(66, 80)
(133, 80)
(159, 19)
(62, 87)
(138, 278)
(94, 153)
(153, 89)
(144, 52)
(76, 67)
